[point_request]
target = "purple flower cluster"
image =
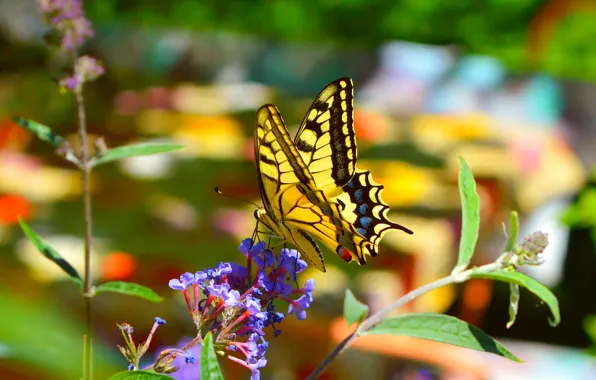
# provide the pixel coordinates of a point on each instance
(68, 18)
(234, 301)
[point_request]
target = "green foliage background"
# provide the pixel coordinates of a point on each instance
(507, 29)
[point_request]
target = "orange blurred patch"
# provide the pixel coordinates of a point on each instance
(13, 206)
(476, 295)
(12, 136)
(369, 126)
(118, 266)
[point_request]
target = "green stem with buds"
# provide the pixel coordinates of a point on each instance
(379, 316)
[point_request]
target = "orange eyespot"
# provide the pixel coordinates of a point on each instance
(344, 254)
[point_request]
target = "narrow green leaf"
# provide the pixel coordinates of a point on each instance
(529, 283)
(209, 365)
(139, 375)
(513, 303)
(513, 231)
(354, 310)
(133, 150)
(41, 131)
(130, 289)
(470, 208)
(442, 328)
(50, 253)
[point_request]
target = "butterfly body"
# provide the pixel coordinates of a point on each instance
(310, 186)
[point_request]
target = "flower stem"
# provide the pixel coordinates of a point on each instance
(380, 315)
(86, 173)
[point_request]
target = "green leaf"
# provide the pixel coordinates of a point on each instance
(139, 375)
(132, 151)
(130, 289)
(529, 283)
(354, 310)
(513, 231)
(513, 303)
(49, 252)
(209, 365)
(442, 328)
(41, 131)
(470, 208)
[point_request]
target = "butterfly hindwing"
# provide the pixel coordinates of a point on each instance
(365, 212)
(326, 139)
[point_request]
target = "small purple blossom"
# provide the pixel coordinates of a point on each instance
(71, 83)
(232, 299)
(160, 321)
(127, 328)
(253, 306)
(186, 280)
(190, 359)
(289, 259)
(245, 246)
(299, 307)
(200, 277)
(254, 365)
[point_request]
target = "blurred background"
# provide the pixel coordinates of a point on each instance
(505, 84)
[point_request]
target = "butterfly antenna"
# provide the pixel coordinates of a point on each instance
(236, 198)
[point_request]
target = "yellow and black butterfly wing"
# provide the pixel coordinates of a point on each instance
(326, 139)
(365, 212)
(282, 177)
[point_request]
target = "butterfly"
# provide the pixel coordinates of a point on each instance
(310, 186)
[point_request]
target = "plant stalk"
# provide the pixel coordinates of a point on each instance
(86, 173)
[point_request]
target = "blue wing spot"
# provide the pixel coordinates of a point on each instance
(358, 195)
(362, 209)
(365, 221)
(350, 184)
(361, 231)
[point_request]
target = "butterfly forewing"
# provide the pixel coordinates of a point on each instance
(280, 170)
(326, 139)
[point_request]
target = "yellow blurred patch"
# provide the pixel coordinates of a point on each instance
(158, 121)
(39, 183)
(437, 133)
(211, 136)
(485, 161)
